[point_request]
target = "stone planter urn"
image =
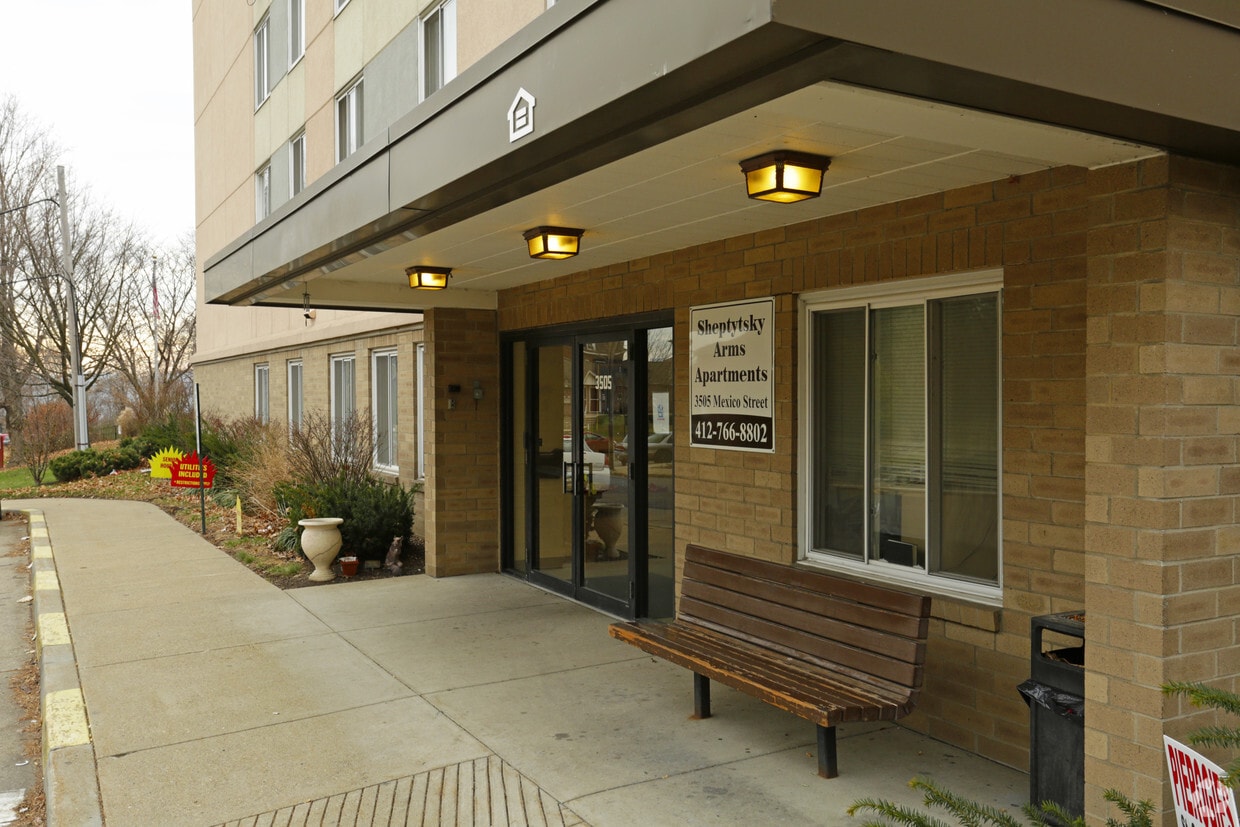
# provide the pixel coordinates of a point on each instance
(608, 525)
(320, 540)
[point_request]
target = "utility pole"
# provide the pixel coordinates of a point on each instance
(81, 434)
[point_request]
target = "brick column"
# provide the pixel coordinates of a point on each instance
(462, 450)
(1161, 571)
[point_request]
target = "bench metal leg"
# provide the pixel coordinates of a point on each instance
(827, 766)
(701, 696)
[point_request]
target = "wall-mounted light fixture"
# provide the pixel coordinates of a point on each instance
(553, 242)
(428, 278)
(784, 176)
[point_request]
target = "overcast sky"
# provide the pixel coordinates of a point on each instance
(112, 83)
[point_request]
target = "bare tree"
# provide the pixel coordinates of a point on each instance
(27, 156)
(157, 335)
(116, 276)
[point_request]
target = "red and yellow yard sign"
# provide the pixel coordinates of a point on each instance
(189, 473)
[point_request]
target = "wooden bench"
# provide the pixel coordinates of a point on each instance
(825, 648)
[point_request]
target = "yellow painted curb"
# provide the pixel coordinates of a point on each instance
(46, 580)
(64, 720)
(53, 629)
(41, 552)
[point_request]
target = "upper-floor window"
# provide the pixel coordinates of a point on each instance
(349, 120)
(297, 163)
(262, 65)
(438, 47)
(262, 393)
(902, 432)
(296, 30)
(262, 193)
(340, 4)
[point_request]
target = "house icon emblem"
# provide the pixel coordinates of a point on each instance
(520, 116)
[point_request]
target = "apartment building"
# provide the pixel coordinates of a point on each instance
(975, 335)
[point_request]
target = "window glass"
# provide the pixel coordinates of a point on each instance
(903, 436)
(349, 121)
(295, 401)
(343, 401)
(839, 461)
(421, 411)
(296, 30)
(438, 47)
(262, 193)
(262, 50)
(262, 393)
(966, 467)
(898, 434)
(297, 164)
(385, 404)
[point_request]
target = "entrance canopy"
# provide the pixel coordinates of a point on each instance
(629, 119)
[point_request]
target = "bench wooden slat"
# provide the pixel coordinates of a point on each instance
(868, 594)
(775, 606)
(805, 646)
(882, 619)
(800, 692)
(828, 649)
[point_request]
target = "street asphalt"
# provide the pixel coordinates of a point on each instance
(181, 688)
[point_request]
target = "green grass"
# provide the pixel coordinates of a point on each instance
(18, 477)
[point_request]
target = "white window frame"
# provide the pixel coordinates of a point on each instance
(262, 61)
(446, 14)
(262, 193)
(343, 401)
(385, 404)
(262, 393)
(421, 379)
(297, 163)
(348, 110)
(296, 374)
(890, 294)
(296, 31)
(340, 4)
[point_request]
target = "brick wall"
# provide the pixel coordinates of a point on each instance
(227, 388)
(1035, 228)
(462, 474)
(1162, 572)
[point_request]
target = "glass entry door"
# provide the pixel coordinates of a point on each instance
(577, 492)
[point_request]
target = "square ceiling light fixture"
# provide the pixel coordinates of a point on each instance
(784, 176)
(553, 242)
(428, 278)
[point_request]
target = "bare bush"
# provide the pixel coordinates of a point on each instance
(323, 450)
(48, 429)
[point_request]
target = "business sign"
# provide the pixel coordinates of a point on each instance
(190, 473)
(732, 376)
(1201, 797)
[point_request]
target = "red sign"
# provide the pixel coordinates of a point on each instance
(189, 473)
(1201, 797)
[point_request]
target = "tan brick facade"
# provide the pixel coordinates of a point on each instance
(228, 388)
(1161, 573)
(462, 475)
(1119, 308)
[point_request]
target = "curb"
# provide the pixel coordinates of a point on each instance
(70, 774)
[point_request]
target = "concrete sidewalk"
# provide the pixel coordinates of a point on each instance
(213, 697)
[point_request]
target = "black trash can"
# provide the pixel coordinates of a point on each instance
(1055, 693)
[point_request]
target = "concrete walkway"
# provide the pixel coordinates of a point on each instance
(213, 697)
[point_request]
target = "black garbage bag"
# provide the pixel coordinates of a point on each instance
(1064, 704)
